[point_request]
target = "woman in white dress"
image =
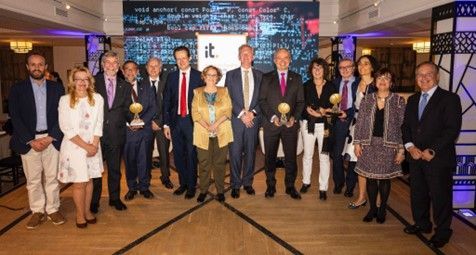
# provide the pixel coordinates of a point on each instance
(81, 119)
(366, 66)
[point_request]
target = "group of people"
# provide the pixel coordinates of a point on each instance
(67, 137)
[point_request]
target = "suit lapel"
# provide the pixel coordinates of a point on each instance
(289, 81)
(31, 99)
(239, 88)
(254, 98)
(430, 105)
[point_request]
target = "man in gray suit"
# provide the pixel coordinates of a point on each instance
(156, 80)
(243, 85)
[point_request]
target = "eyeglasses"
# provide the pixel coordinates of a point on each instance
(384, 77)
(424, 75)
(345, 67)
(81, 80)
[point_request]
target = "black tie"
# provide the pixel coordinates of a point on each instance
(155, 90)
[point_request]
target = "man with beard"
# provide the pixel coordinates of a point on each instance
(139, 138)
(117, 99)
(33, 105)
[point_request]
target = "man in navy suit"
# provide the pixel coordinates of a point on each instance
(178, 124)
(33, 105)
(156, 80)
(117, 99)
(139, 138)
(347, 85)
(430, 128)
(243, 85)
(281, 86)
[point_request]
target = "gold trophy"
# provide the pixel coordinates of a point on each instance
(335, 100)
(283, 108)
(136, 108)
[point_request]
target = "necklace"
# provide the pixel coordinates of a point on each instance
(382, 99)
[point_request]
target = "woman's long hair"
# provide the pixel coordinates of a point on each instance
(72, 88)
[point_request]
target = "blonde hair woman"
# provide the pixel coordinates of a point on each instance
(80, 119)
(211, 112)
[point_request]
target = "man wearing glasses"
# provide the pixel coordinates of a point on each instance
(347, 85)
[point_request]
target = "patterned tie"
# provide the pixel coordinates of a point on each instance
(246, 90)
(183, 96)
(343, 102)
(155, 89)
(422, 105)
(110, 93)
(283, 83)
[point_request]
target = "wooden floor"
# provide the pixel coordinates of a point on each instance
(169, 224)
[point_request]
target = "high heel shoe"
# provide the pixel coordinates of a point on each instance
(353, 205)
(81, 225)
(370, 216)
(91, 221)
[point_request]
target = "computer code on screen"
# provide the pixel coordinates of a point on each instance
(155, 28)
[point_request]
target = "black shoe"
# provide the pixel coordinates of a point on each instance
(381, 213)
(353, 205)
(118, 204)
(249, 190)
(156, 164)
(338, 189)
(147, 194)
(180, 190)
(270, 192)
(436, 242)
(348, 193)
(201, 197)
(190, 194)
(168, 184)
(235, 193)
(292, 192)
(94, 208)
(304, 188)
(370, 215)
(322, 195)
(414, 229)
(220, 197)
(130, 195)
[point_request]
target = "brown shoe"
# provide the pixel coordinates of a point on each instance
(56, 218)
(35, 220)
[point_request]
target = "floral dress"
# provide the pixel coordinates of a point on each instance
(86, 121)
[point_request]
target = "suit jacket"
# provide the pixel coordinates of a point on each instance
(114, 128)
(146, 98)
(171, 95)
(438, 128)
(351, 111)
(159, 100)
(21, 104)
(234, 83)
(201, 136)
(270, 96)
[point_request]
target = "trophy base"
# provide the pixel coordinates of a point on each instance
(136, 123)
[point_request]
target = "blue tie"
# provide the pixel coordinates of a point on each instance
(422, 105)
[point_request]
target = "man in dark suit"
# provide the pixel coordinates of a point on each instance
(139, 135)
(33, 106)
(243, 85)
(117, 99)
(347, 85)
(156, 81)
(430, 128)
(281, 86)
(178, 124)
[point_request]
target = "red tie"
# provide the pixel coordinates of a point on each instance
(343, 102)
(183, 96)
(283, 84)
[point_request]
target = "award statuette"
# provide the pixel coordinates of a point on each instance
(335, 100)
(136, 108)
(283, 108)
